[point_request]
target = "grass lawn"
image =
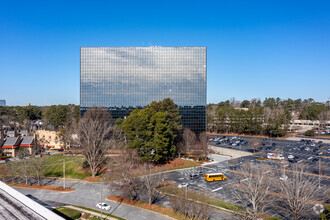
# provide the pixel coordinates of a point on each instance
(67, 213)
(261, 158)
(198, 197)
(54, 166)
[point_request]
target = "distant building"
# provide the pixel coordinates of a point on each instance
(2, 102)
(122, 79)
(304, 125)
(28, 143)
(49, 139)
(11, 145)
(27, 104)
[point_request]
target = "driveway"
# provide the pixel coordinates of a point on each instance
(87, 195)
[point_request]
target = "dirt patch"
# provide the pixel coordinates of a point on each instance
(92, 179)
(176, 163)
(81, 170)
(42, 187)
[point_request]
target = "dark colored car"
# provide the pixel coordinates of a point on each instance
(292, 160)
(201, 173)
(194, 176)
(315, 159)
(273, 144)
(315, 149)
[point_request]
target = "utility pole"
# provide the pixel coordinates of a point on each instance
(63, 172)
(320, 173)
(101, 194)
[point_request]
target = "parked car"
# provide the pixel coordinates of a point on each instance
(194, 176)
(292, 160)
(307, 148)
(201, 173)
(182, 185)
(283, 178)
(315, 149)
(103, 206)
(315, 159)
(290, 156)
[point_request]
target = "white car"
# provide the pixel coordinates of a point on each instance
(182, 185)
(103, 206)
(290, 156)
(283, 178)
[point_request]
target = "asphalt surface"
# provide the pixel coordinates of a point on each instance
(87, 195)
(223, 189)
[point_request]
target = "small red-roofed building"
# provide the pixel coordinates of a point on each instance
(28, 143)
(10, 146)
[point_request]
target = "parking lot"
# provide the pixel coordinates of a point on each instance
(222, 189)
(310, 153)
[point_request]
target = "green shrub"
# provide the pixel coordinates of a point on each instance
(309, 133)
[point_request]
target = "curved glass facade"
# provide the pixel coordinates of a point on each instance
(124, 78)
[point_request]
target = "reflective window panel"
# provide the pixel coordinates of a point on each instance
(124, 78)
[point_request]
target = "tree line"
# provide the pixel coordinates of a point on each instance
(270, 117)
(57, 116)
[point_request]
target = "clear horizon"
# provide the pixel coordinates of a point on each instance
(255, 49)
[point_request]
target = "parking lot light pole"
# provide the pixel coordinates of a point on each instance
(63, 172)
(320, 173)
(101, 194)
(187, 192)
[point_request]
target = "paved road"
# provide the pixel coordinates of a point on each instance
(87, 195)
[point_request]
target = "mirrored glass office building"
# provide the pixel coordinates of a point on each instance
(124, 78)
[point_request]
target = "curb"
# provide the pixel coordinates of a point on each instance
(43, 189)
(88, 211)
(141, 208)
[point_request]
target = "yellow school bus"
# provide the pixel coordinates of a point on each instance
(214, 177)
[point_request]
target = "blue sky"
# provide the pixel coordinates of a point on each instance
(256, 49)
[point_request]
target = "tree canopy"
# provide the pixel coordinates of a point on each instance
(152, 130)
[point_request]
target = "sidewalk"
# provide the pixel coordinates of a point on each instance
(90, 212)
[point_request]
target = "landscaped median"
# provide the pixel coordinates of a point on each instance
(80, 212)
(172, 191)
(215, 203)
(42, 187)
(168, 212)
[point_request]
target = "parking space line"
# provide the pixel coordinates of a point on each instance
(217, 189)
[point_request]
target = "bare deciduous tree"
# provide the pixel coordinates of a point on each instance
(36, 164)
(298, 193)
(254, 143)
(189, 138)
(126, 172)
(203, 139)
(150, 183)
(23, 166)
(189, 208)
(252, 190)
(96, 135)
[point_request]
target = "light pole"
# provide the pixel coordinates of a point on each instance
(320, 173)
(63, 171)
(101, 194)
